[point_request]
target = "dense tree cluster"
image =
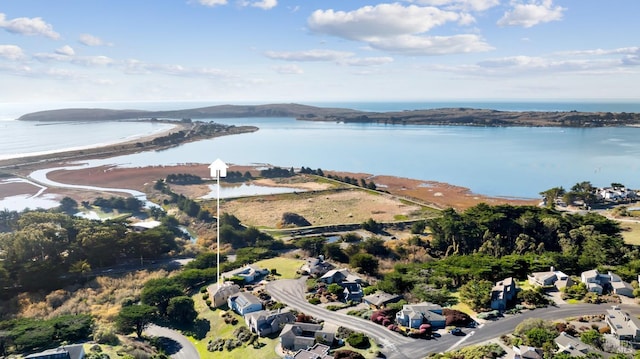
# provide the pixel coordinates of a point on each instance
(127, 204)
(275, 172)
(589, 240)
(27, 334)
(44, 249)
(183, 179)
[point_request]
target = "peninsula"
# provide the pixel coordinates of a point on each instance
(443, 116)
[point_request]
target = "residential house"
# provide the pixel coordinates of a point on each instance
(622, 288)
(352, 292)
(502, 293)
(318, 351)
(526, 352)
(316, 266)
(339, 276)
(219, 295)
(244, 303)
(380, 299)
(599, 282)
(623, 326)
(549, 278)
(75, 351)
(250, 273)
(616, 194)
(593, 280)
(298, 336)
(571, 345)
(265, 322)
(414, 315)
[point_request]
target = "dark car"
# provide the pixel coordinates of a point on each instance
(457, 331)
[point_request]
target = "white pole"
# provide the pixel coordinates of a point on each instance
(218, 229)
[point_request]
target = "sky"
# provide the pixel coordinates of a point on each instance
(262, 51)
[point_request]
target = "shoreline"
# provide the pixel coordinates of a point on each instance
(441, 195)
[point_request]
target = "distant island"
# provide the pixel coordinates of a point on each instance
(443, 116)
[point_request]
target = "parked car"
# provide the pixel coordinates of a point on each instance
(457, 331)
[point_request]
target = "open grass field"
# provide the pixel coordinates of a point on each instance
(631, 232)
(286, 268)
(321, 208)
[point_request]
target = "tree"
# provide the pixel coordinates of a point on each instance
(135, 318)
(181, 310)
(333, 251)
(476, 293)
(366, 262)
(372, 226)
(592, 337)
(537, 337)
(68, 205)
(312, 245)
(418, 227)
(158, 293)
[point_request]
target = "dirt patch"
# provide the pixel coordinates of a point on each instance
(10, 189)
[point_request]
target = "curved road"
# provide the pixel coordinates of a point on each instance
(394, 345)
(176, 344)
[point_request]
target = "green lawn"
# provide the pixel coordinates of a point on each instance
(219, 329)
(631, 232)
(285, 267)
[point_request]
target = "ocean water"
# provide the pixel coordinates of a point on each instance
(511, 161)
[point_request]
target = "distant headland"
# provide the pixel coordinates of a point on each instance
(442, 116)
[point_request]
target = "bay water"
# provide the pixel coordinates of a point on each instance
(497, 161)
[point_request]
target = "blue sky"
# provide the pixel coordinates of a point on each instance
(258, 51)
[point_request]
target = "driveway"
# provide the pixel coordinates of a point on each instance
(175, 344)
(393, 345)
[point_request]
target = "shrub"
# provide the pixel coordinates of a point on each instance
(358, 340)
(314, 300)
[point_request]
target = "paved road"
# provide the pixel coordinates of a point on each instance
(176, 344)
(394, 345)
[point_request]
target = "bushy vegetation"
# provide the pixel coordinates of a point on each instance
(47, 250)
(128, 204)
(29, 334)
(183, 179)
(487, 351)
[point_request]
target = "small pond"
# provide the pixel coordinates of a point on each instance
(245, 190)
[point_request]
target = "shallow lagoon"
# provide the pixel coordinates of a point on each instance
(244, 189)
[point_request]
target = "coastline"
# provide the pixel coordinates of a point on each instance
(437, 194)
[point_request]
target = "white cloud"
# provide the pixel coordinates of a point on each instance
(212, 3)
(90, 40)
(309, 55)
(399, 29)
(65, 50)
(339, 57)
(622, 50)
(28, 26)
(432, 45)
(290, 69)
(532, 13)
(133, 66)
(11, 52)
(383, 20)
(466, 5)
(262, 4)
(366, 61)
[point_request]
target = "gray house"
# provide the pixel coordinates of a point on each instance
(623, 326)
(502, 293)
(75, 351)
(414, 315)
(244, 303)
(298, 336)
(265, 322)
